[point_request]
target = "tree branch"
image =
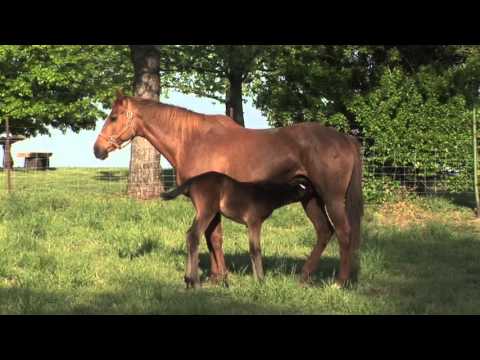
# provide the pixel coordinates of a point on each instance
(200, 93)
(189, 64)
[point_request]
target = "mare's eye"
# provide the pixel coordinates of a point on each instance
(113, 117)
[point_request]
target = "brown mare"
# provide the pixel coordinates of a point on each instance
(246, 203)
(197, 143)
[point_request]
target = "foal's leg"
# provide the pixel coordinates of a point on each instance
(254, 230)
(200, 224)
(214, 237)
(314, 209)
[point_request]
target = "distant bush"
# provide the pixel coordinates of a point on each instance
(412, 123)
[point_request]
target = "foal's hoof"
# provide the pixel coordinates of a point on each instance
(304, 284)
(191, 284)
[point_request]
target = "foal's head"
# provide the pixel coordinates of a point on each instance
(119, 129)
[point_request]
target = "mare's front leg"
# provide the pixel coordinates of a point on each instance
(200, 224)
(214, 237)
(254, 230)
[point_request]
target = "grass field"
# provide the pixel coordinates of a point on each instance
(70, 243)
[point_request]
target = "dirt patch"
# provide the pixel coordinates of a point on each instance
(404, 214)
(475, 224)
(9, 281)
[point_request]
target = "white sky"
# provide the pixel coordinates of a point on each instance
(76, 150)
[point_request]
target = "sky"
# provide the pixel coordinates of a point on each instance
(76, 150)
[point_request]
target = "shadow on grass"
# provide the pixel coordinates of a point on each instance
(25, 170)
(461, 199)
(432, 269)
(425, 270)
(144, 297)
(240, 264)
(145, 248)
(111, 176)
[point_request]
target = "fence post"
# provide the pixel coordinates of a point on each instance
(475, 164)
(7, 161)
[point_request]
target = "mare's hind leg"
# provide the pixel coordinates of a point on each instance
(200, 224)
(214, 237)
(254, 230)
(314, 209)
(338, 214)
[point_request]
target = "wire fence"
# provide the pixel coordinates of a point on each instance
(431, 173)
(384, 175)
(382, 178)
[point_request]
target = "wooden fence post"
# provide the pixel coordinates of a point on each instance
(475, 164)
(6, 155)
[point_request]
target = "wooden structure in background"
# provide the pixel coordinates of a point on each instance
(36, 160)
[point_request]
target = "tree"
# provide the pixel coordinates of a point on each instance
(317, 83)
(63, 87)
(467, 74)
(220, 72)
(144, 179)
(411, 102)
(303, 83)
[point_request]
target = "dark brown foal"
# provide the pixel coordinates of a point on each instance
(250, 204)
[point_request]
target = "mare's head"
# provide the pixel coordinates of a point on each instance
(119, 128)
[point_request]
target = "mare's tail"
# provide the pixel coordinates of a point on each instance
(355, 205)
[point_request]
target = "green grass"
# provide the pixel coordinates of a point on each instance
(70, 243)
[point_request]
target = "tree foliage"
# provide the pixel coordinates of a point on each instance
(64, 87)
(411, 104)
(307, 83)
(219, 72)
(407, 121)
(404, 99)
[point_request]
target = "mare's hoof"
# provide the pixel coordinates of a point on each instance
(306, 281)
(217, 279)
(336, 285)
(214, 279)
(340, 284)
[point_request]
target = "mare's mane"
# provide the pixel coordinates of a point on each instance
(149, 104)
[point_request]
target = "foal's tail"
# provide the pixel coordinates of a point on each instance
(355, 204)
(172, 194)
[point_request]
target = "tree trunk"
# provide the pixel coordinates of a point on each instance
(234, 98)
(144, 179)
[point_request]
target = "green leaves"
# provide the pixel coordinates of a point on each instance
(408, 124)
(59, 86)
(303, 83)
(412, 103)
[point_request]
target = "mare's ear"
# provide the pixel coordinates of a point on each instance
(120, 94)
(120, 100)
